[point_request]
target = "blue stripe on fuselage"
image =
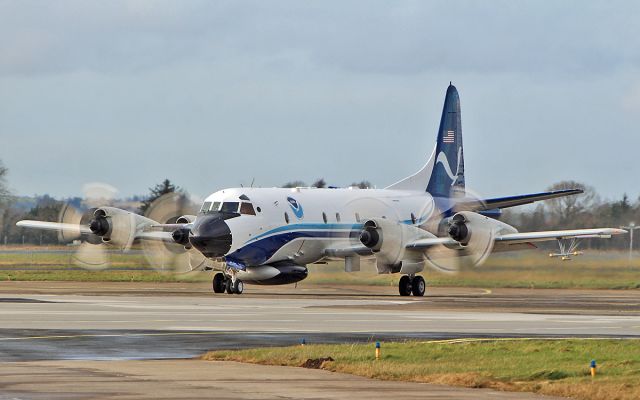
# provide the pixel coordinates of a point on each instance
(258, 252)
(262, 247)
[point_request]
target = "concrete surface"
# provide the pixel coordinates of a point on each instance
(192, 379)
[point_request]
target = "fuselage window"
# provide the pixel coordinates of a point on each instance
(229, 207)
(337, 217)
(324, 217)
(357, 217)
(286, 217)
(205, 207)
(413, 218)
(247, 209)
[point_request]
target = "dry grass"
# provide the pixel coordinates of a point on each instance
(552, 367)
(533, 269)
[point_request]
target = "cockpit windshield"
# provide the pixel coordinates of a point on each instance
(247, 209)
(230, 207)
(210, 206)
(205, 207)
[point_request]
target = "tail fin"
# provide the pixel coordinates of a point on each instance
(444, 172)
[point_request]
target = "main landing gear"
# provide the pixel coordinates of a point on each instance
(231, 285)
(412, 284)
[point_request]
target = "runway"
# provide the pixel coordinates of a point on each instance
(127, 322)
(61, 340)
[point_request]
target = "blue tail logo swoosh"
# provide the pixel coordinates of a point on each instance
(296, 207)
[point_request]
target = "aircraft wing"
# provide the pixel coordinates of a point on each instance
(429, 242)
(78, 229)
(528, 237)
(348, 250)
(53, 226)
(512, 201)
(156, 235)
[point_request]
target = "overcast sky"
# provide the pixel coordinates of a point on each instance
(215, 94)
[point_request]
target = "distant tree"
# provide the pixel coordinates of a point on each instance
(294, 184)
(155, 192)
(362, 184)
(46, 209)
(5, 194)
(320, 183)
(566, 211)
(5, 201)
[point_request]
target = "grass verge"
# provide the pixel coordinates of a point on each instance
(551, 367)
(609, 270)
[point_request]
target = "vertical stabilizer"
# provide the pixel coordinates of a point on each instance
(444, 172)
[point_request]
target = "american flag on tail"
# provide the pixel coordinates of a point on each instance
(449, 137)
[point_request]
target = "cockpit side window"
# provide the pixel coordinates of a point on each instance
(247, 209)
(205, 207)
(215, 206)
(230, 207)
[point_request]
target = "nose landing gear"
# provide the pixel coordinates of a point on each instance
(230, 284)
(412, 285)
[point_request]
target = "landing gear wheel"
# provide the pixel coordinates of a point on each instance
(238, 287)
(218, 283)
(418, 286)
(228, 286)
(405, 286)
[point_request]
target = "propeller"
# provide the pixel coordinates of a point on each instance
(362, 209)
(473, 233)
(80, 224)
(177, 257)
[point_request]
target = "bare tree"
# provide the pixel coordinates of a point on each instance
(294, 184)
(362, 184)
(568, 210)
(5, 194)
(320, 183)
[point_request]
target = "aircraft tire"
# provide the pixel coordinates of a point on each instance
(228, 286)
(404, 286)
(418, 286)
(218, 283)
(238, 287)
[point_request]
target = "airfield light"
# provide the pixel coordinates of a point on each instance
(631, 227)
(593, 368)
(377, 350)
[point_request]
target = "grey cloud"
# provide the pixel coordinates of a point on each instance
(360, 37)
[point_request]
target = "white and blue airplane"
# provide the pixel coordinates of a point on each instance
(268, 236)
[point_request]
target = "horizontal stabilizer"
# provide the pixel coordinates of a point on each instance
(513, 201)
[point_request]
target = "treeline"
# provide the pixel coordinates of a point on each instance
(46, 208)
(586, 210)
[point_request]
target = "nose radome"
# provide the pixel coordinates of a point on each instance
(211, 235)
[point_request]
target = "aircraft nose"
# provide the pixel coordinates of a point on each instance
(211, 235)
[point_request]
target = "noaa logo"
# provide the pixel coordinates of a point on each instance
(295, 207)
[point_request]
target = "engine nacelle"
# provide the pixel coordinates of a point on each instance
(185, 219)
(117, 227)
(280, 273)
(466, 227)
(181, 235)
(388, 239)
